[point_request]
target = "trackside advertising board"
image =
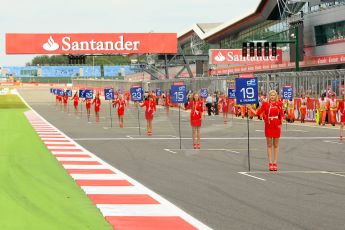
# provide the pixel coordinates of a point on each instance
(87, 43)
(234, 56)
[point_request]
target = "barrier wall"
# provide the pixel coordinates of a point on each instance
(65, 71)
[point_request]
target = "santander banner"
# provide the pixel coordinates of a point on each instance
(234, 56)
(117, 43)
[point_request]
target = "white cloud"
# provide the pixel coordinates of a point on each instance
(110, 16)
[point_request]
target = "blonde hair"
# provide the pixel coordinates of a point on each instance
(194, 94)
(275, 92)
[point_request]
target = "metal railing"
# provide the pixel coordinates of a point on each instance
(311, 83)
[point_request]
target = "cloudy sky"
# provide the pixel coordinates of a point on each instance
(48, 16)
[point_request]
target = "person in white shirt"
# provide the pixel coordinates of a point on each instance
(209, 101)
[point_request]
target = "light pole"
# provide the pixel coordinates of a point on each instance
(297, 49)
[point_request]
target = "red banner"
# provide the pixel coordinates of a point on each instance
(246, 75)
(309, 61)
(234, 56)
(119, 43)
(179, 83)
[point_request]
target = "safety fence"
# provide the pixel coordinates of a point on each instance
(311, 83)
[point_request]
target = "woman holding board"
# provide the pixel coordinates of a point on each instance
(273, 115)
(121, 104)
(97, 103)
(150, 105)
(196, 105)
(75, 99)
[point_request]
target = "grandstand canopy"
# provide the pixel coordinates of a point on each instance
(213, 32)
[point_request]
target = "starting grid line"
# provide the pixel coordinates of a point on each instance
(172, 137)
(198, 150)
(333, 142)
(248, 174)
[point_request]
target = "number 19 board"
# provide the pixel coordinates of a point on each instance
(247, 91)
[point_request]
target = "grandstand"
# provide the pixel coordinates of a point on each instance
(65, 71)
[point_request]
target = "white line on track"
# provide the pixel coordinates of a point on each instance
(313, 126)
(189, 138)
(255, 177)
(308, 124)
(117, 127)
(168, 150)
(334, 173)
(288, 172)
(281, 172)
(296, 130)
(138, 136)
(223, 150)
(233, 151)
(333, 142)
(292, 130)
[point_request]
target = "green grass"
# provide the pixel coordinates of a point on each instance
(35, 191)
(10, 101)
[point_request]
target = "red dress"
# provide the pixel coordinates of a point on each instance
(167, 101)
(196, 112)
(75, 100)
(88, 103)
(121, 107)
(65, 99)
(97, 103)
(225, 104)
(127, 96)
(58, 98)
(150, 109)
(273, 118)
(341, 109)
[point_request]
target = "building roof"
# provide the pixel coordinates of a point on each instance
(206, 27)
(213, 31)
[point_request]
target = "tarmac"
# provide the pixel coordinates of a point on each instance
(214, 184)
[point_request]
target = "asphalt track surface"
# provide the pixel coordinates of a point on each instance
(213, 184)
